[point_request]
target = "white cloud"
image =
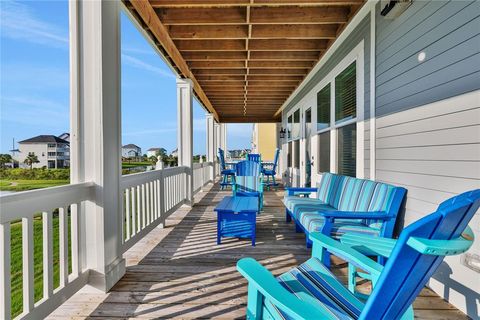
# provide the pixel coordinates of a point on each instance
(18, 21)
(137, 63)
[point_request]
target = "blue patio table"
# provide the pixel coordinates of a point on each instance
(237, 217)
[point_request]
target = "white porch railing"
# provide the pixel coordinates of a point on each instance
(22, 208)
(202, 173)
(148, 199)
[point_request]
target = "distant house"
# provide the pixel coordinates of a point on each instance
(65, 136)
(131, 151)
(51, 151)
(152, 152)
(174, 153)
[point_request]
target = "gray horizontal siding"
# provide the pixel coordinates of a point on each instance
(449, 34)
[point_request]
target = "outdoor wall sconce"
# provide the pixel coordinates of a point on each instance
(282, 133)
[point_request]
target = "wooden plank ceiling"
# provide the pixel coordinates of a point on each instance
(245, 57)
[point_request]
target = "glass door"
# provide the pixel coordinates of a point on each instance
(308, 147)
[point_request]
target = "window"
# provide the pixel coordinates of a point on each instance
(324, 152)
(51, 154)
(346, 94)
(347, 150)
(289, 127)
(296, 154)
(51, 145)
(296, 124)
(323, 108)
(289, 155)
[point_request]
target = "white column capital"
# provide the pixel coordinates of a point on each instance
(184, 82)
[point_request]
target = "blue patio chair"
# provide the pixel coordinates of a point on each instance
(272, 171)
(312, 291)
(228, 175)
(254, 157)
(248, 181)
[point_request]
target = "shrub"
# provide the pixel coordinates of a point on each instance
(34, 174)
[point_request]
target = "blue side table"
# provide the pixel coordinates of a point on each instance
(236, 217)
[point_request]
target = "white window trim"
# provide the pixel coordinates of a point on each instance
(356, 55)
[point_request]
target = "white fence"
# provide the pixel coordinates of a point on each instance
(23, 208)
(148, 199)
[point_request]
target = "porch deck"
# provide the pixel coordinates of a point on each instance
(180, 272)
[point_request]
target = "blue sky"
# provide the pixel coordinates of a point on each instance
(34, 82)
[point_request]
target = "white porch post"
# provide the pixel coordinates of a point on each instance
(185, 131)
(223, 136)
(217, 144)
(211, 151)
(96, 134)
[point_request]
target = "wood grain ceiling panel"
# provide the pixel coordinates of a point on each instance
(247, 56)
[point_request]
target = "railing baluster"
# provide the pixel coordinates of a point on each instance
(144, 213)
(155, 200)
(5, 284)
(63, 244)
(75, 238)
(47, 225)
(152, 200)
(139, 210)
(27, 257)
(127, 214)
(134, 214)
(147, 202)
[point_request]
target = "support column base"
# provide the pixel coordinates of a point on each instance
(113, 273)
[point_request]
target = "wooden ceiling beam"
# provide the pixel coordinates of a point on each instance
(240, 3)
(220, 87)
(213, 72)
(204, 79)
(148, 15)
(211, 45)
(225, 84)
(273, 83)
(192, 16)
(285, 55)
(294, 31)
(286, 45)
(214, 55)
(293, 72)
(257, 64)
(299, 15)
(274, 78)
(217, 65)
(208, 31)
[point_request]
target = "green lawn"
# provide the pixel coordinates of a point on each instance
(24, 185)
(126, 165)
(16, 261)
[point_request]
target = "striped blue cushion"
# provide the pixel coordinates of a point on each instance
(248, 183)
(309, 207)
(313, 282)
(291, 201)
(313, 222)
(350, 193)
(381, 201)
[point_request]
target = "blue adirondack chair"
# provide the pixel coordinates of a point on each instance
(271, 172)
(228, 175)
(254, 157)
(311, 291)
(248, 181)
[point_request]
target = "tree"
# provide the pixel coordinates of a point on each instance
(153, 160)
(4, 159)
(161, 152)
(31, 159)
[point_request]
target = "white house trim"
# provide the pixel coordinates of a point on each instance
(372, 94)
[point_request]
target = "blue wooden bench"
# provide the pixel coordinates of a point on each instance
(236, 217)
(345, 204)
(312, 291)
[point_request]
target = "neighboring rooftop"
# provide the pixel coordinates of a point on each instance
(131, 145)
(154, 149)
(44, 138)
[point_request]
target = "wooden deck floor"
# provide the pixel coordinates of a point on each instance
(180, 272)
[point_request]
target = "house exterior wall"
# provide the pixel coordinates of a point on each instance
(264, 140)
(427, 117)
(428, 120)
(127, 152)
(40, 150)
